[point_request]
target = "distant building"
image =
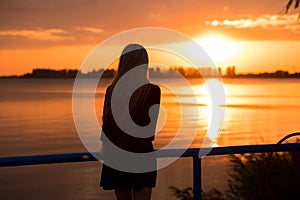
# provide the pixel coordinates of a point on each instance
(230, 71)
(220, 71)
(51, 73)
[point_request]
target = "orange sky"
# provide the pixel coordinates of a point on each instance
(60, 34)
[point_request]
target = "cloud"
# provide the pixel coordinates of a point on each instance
(287, 22)
(44, 35)
(89, 29)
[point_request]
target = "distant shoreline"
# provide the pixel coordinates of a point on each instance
(153, 73)
(223, 77)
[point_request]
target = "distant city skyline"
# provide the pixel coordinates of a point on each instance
(156, 72)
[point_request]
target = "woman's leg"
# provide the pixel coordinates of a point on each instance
(123, 194)
(143, 194)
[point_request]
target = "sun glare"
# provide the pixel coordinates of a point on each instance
(219, 48)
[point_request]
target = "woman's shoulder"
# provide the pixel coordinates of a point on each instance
(154, 87)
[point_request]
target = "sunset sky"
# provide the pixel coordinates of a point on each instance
(252, 35)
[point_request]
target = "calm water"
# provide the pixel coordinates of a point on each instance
(36, 118)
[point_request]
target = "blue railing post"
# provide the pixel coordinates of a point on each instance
(197, 177)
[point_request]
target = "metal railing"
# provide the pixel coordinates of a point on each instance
(192, 152)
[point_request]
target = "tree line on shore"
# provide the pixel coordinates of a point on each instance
(172, 72)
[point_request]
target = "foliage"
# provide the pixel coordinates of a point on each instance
(255, 176)
(184, 194)
(213, 194)
(289, 4)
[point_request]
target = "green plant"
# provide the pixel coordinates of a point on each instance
(256, 176)
(289, 4)
(183, 194)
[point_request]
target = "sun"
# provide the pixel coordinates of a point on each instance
(220, 49)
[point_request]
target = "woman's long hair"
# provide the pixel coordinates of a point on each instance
(134, 56)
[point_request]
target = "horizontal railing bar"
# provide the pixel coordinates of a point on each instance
(46, 159)
(263, 148)
(191, 152)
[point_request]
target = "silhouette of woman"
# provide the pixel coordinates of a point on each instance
(128, 185)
